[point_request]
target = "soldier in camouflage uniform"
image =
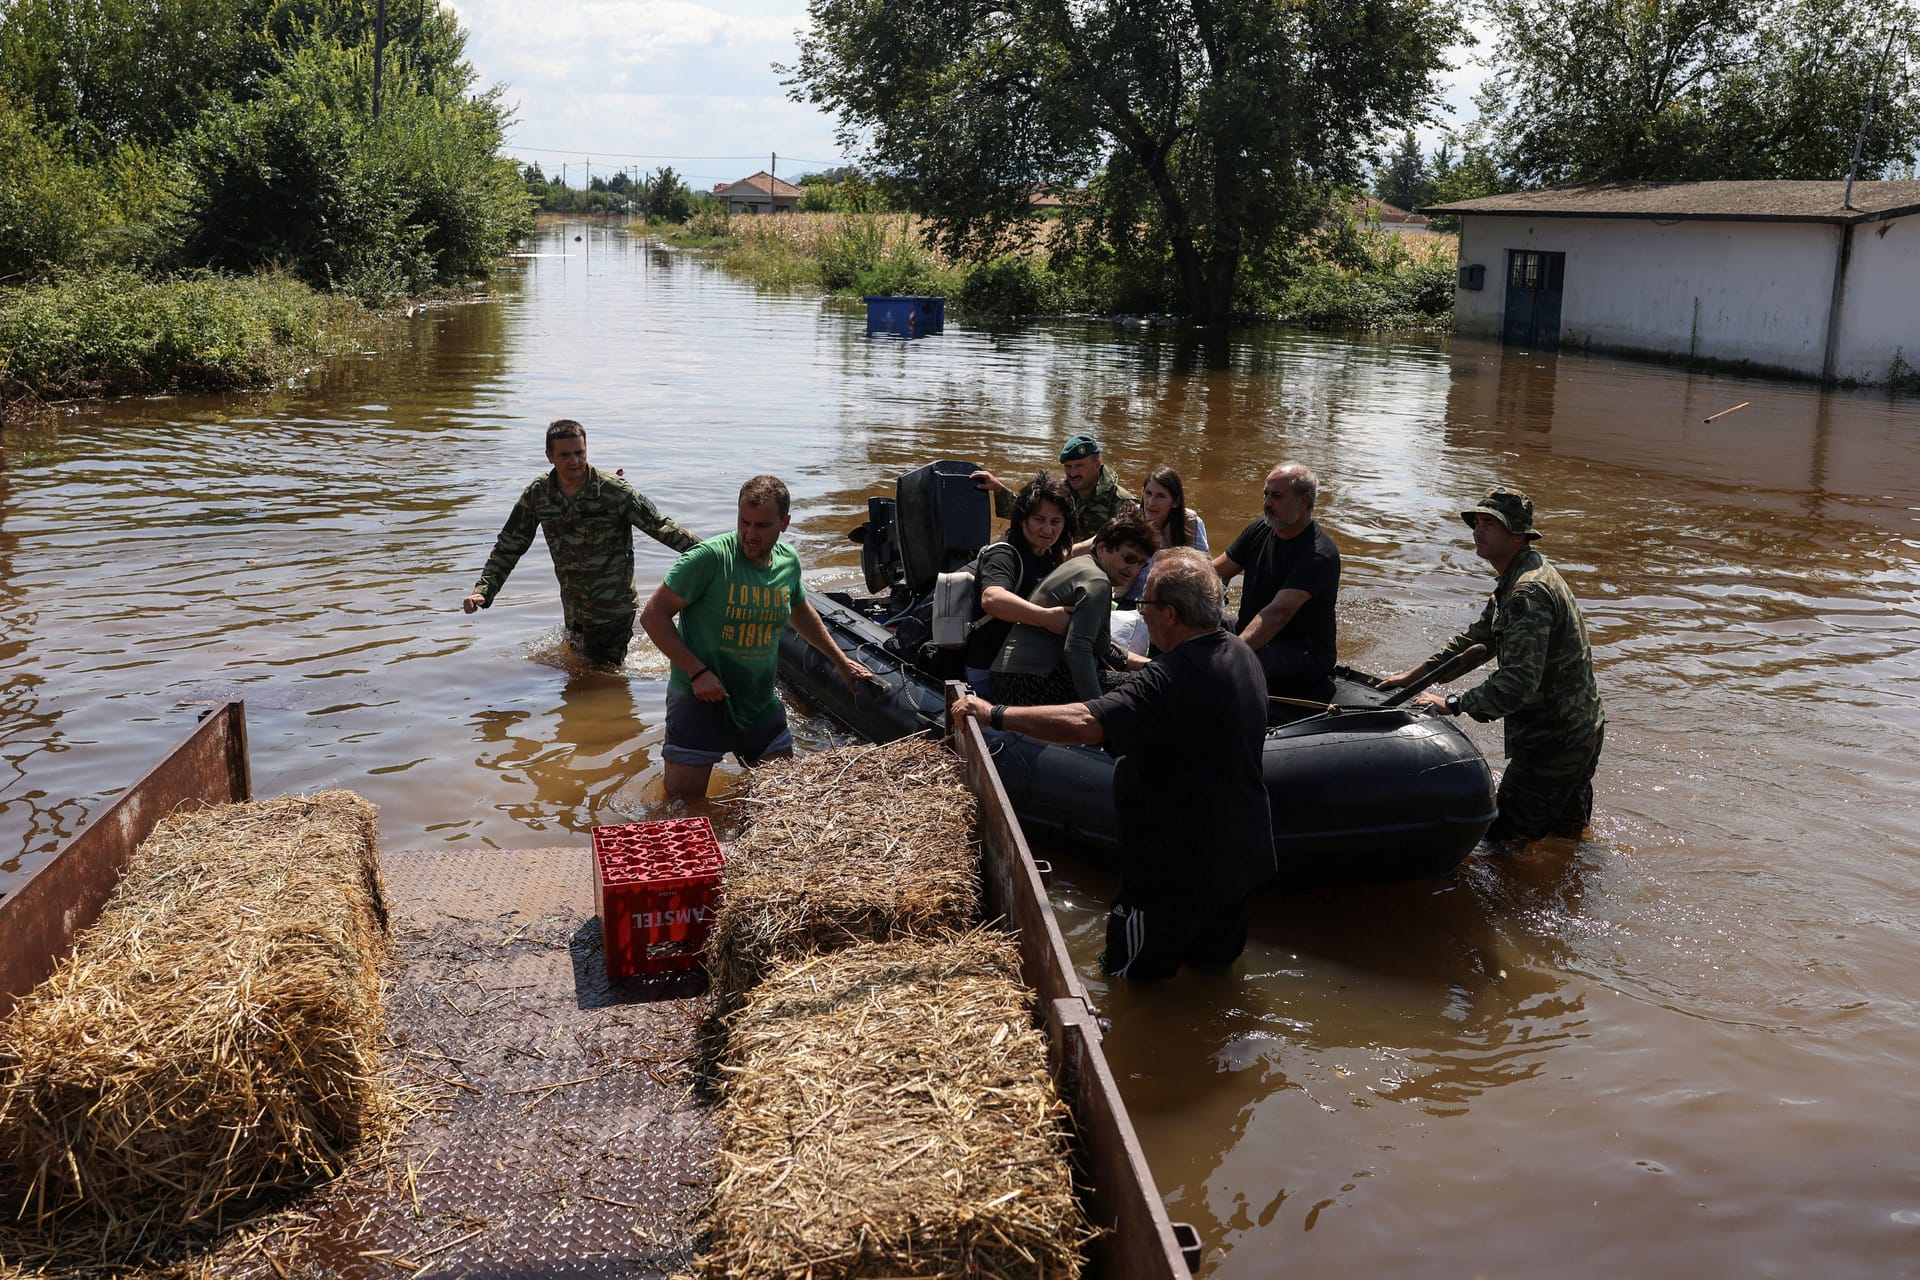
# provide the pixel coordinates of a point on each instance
(1544, 689)
(588, 518)
(1096, 494)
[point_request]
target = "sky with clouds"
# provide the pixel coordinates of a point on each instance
(624, 83)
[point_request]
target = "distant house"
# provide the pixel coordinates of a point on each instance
(750, 195)
(1378, 215)
(1777, 277)
(1046, 197)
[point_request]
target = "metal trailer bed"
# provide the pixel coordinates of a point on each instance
(562, 1135)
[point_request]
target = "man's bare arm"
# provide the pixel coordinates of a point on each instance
(1273, 619)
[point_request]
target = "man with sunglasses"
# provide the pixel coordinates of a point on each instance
(1189, 730)
(1293, 580)
(1544, 689)
(588, 518)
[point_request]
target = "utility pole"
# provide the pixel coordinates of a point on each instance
(773, 164)
(379, 50)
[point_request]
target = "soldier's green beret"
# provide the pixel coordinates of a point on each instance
(1509, 506)
(1080, 446)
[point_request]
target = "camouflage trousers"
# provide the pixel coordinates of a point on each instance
(1547, 789)
(606, 642)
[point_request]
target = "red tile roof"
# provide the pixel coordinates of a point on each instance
(758, 183)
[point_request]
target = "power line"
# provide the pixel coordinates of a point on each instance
(644, 155)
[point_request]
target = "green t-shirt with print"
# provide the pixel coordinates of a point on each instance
(735, 613)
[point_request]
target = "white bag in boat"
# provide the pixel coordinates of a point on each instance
(953, 608)
(956, 603)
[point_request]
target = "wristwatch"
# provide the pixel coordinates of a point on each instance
(997, 716)
(1453, 704)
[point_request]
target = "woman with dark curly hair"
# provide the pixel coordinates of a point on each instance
(1037, 539)
(1039, 668)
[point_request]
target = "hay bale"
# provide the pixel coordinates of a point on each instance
(216, 1034)
(888, 1113)
(855, 844)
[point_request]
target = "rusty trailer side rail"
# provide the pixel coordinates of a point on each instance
(1138, 1242)
(39, 919)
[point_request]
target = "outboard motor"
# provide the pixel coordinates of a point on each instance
(940, 521)
(879, 547)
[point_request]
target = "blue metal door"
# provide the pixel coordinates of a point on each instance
(1534, 281)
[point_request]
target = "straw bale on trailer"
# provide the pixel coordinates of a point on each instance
(855, 844)
(216, 1033)
(888, 1113)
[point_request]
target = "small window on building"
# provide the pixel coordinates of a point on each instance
(1530, 269)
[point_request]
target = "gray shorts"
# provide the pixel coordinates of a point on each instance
(698, 733)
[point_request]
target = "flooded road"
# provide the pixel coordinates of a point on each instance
(1689, 1045)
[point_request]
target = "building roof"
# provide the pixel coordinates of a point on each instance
(1387, 215)
(1042, 195)
(758, 183)
(1704, 201)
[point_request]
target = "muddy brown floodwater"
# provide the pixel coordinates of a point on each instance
(1689, 1045)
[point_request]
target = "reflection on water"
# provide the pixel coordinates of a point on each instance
(1684, 1046)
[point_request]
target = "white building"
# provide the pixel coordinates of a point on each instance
(1774, 277)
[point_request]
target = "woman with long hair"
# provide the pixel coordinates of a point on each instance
(1036, 667)
(1036, 543)
(1163, 505)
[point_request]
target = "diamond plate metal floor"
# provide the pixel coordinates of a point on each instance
(564, 1141)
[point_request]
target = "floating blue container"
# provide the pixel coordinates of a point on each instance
(907, 317)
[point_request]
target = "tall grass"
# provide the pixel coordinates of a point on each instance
(843, 253)
(1355, 279)
(116, 333)
(1382, 280)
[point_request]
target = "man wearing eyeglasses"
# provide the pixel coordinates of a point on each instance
(1293, 579)
(1544, 690)
(588, 518)
(1189, 728)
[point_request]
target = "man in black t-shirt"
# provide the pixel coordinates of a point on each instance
(1189, 729)
(1293, 580)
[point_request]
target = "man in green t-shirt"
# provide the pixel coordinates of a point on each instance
(718, 618)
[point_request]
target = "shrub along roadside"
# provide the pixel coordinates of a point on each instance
(115, 333)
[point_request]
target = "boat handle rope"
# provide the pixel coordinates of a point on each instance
(1324, 708)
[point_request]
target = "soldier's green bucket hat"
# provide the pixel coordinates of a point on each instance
(1509, 506)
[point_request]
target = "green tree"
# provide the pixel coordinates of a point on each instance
(1608, 90)
(107, 72)
(843, 189)
(301, 177)
(667, 198)
(1404, 179)
(49, 207)
(1213, 129)
(1474, 173)
(425, 45)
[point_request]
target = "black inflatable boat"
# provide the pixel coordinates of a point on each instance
(1372, 793)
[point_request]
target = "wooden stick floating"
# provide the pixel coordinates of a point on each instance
(1724, 412)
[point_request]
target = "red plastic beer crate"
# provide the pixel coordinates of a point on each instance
(656, 887)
